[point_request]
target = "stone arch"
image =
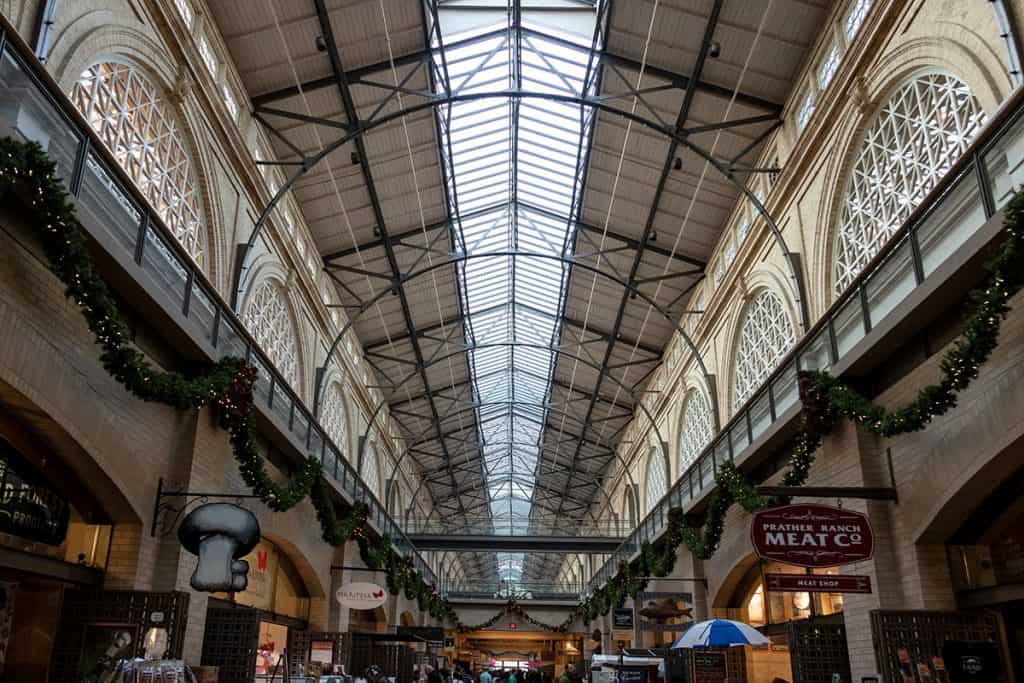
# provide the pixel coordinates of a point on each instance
(763, 285)
(691, 425)
(656, 476)
(630, 513)
(370, 465)
(736, 583)
(303, 566)
(270, 273)
(82, 473)
(984, 493)
(954, 50)
(335, 415)
(84, 42)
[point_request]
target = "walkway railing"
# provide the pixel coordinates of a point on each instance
(971, 192)
(121, 220)
(481, 526)
(517, 590)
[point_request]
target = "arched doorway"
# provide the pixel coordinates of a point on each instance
(57, 518)
(248, 632)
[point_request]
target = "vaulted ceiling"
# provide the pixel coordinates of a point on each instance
(515, 199)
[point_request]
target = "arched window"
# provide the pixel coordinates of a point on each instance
(268, 319)
(628, 507)
(696, 428)
(765, 336)
(333, 418)
(369, 471)
(917, 136)
(128, 113)
(657, 477)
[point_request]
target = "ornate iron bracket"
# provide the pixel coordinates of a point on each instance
(166, 515)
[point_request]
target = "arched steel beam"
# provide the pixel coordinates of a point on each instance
(367, 305)
(371, 422)
(680, 136)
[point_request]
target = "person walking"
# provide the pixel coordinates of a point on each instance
(485, 676)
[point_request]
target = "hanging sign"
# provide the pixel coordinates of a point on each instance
(817, 583)
(812, 535)
(622, 623)
(29, 508)
(361, 596)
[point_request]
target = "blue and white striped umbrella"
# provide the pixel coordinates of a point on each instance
(720, 633)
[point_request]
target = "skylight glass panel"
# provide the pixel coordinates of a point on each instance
(512, 169)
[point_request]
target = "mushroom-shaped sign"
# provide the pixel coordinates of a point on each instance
(220, 534)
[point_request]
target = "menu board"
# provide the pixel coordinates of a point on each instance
(708, 667)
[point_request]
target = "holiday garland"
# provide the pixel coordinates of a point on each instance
(514, 608)
(825, 399)
(401, 576)
(227, 384)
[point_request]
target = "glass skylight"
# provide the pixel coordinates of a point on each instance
(513, 177)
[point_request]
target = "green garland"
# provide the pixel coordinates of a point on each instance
(26, 171)
(400, 575)
(228, 384)
(824, 400)
(514, 608)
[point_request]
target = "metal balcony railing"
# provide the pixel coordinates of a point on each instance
(518, 590)
(980, 183)
(527, 526)
(121, 220)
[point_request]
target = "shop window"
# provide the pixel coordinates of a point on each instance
(765, 336)
(919, 133)
(755, 607)
(135, 123)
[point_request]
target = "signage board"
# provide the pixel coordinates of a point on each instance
(971, 660)
(361, 595)
(812, 535)
(817, 583)
(29, 508)
(631, 674)
(708, 666)
(622, 623)
(429, 634)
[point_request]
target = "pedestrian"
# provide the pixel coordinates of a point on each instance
(568, 675)
(485, 676)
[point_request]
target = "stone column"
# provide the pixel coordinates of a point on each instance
(851, 456)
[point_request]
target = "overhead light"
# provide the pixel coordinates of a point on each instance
(321, 44)
(714, 49)
(355, 158)
(678, 164)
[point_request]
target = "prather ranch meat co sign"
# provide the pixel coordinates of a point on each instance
(812, 535)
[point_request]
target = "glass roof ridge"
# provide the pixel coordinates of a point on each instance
(513, 180)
